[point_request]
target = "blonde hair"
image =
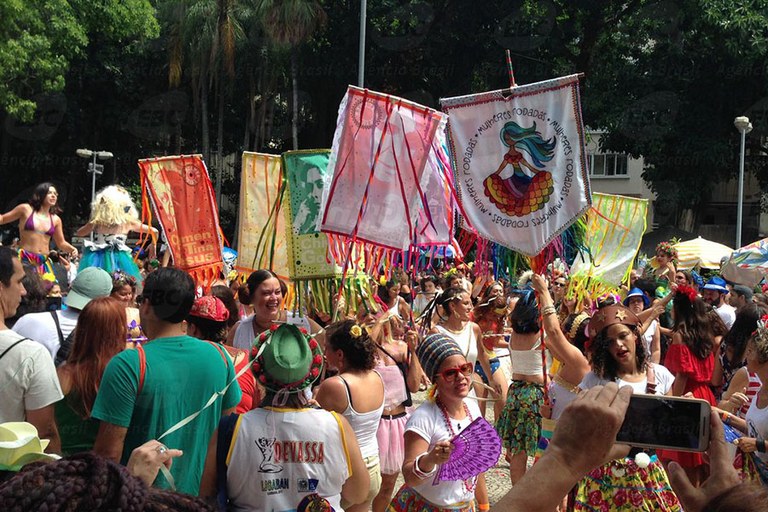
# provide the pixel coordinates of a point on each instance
(113, 206)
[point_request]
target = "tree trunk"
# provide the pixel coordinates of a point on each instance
(205, 132)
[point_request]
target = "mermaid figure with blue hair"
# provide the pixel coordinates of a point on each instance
(520, 193)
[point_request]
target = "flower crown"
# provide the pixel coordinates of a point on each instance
(260, 371)
(667, 249)
(687, 291)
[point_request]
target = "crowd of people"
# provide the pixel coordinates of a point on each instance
(160, 394)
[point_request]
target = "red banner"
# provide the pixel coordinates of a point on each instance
(183, 199)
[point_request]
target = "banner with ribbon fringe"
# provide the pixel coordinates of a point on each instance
(305, 171)
(262, 233)
(377, 180)
(183, 199)
(615, 227)
(518, 159)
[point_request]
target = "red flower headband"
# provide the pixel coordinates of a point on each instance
(687, 291)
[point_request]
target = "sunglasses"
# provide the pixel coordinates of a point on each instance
(559, 285)
(450, 374)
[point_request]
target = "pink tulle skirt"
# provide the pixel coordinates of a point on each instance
(391, 439)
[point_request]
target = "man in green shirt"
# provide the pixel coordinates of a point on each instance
(180, 375)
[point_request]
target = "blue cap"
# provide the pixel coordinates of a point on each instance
(717, 284)
(637, 292)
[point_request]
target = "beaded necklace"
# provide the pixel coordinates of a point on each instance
(468, 487)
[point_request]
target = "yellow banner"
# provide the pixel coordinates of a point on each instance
(261, 236)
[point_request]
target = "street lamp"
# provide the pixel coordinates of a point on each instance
(93, 167)
(361, 44)
(744, 126)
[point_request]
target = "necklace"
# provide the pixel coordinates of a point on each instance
(470, 483)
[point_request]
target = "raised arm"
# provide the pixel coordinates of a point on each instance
(15, 214)
(562, 349)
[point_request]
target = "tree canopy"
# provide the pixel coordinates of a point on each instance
(663, 78)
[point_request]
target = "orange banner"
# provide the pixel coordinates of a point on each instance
(183, 199)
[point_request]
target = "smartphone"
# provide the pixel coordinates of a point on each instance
(657, 421)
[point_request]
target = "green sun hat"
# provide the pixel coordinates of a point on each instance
(286, 357)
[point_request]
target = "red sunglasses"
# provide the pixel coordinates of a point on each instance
(450, 374)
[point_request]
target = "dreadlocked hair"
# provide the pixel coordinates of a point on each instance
(692, 323)
(88, 482)
(603, 363)
(441, 305)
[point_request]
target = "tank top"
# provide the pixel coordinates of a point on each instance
(279, 456)
(757, 424)
(465, 339)
(527, 362)
(365, 424)
(244, 335)
(752, 388)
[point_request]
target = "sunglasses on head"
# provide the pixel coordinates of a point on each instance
(450, 374)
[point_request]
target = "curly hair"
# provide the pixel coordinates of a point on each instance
(359, 351)
(113, 206)
(692, 323)
(88, 482)
(603, 363)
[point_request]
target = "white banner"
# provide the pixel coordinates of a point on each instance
(519, 162)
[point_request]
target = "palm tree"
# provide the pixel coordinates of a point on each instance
(289, 23)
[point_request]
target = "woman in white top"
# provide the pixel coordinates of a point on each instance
(618, 355)
(637, 302)
(389, 293)
(454, 309)
(755, 425)
(357, 393)
(432, 426)
(265, 292)
(520, 422)
(573, 363)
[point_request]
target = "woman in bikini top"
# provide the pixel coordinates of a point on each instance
(35, 242)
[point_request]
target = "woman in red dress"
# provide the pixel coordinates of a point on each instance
(690, 358)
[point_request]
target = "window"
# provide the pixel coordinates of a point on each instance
(607, 164)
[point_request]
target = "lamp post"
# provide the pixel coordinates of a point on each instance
(744, 126)
(93, 167)
(361, 48)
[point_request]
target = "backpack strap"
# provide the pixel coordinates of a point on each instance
(221, 351)
(13, 345)
(227, 427)
(142, 367)
(58, 327)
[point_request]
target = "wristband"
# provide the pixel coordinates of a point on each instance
(726, 418)
(760, 444)
(417, 470)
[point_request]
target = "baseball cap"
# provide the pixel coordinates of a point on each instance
(90, 283)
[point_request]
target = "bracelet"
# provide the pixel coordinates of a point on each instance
(548, 310)
(760, 444)
(726, 417)
(417, 470)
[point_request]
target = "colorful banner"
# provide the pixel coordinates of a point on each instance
(261, 235)
(435, 222)
(748, 265)
(615, 227)
(380, 151)
(184, 201)
(307, 247)
(519, 162)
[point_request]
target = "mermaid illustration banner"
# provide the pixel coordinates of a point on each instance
(615, 227)
(375, 189)
(307, 247)
(261, 235)
(518, 160)
(185, 204)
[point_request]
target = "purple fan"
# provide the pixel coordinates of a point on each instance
(475, 450)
